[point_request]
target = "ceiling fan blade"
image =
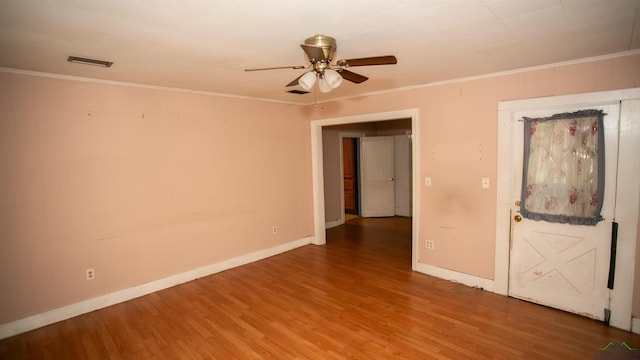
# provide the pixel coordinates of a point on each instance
(314, 53)
(376, 60)
(294, 82)
(351, 76)
(278, 67)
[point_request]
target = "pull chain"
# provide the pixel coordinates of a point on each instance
(315, 97)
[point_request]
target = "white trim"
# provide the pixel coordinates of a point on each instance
(626, 207)
(317, 171)
(635, 325)
(574, 100)
(83, 307)
(334, 223)
(462, 278)
(317, 175)
(503, 202)
(415, 189)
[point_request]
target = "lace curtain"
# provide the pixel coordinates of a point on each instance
(563, 172)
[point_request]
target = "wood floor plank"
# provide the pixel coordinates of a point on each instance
(354, 298)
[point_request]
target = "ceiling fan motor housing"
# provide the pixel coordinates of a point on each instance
(327, 43)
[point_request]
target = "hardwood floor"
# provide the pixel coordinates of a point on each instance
(355, 298)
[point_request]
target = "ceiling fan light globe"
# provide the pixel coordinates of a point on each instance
(307, 80)
(333, 78)
(324, 86)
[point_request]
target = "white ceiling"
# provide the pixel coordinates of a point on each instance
(205, 45)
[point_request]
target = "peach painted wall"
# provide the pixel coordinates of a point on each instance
(457, 135)
(139, 184)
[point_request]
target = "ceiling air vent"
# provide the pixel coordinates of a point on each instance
(86, 61)
(299, 92)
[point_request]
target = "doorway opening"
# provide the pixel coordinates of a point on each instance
(367, 170)
(347, 126)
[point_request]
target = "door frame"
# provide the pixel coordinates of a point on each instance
(627, 181)
(317, 174)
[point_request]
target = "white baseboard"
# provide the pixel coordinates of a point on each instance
(635, 325)
(83, 307)
(334, 223)
(462, 278)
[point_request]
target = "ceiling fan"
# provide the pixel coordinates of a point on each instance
(320, 50)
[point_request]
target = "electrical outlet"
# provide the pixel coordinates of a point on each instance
(275, 229)
(427, 181)
(91, 274)
(429, 244)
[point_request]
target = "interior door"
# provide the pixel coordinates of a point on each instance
(350, 179)
(377, 172)
(560, 265)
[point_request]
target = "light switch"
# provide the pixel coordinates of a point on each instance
(427, 181)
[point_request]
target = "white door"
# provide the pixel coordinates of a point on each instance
(560, 265)
(377, 170)
(402, 178)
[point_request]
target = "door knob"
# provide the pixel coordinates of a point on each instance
(517, 218)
